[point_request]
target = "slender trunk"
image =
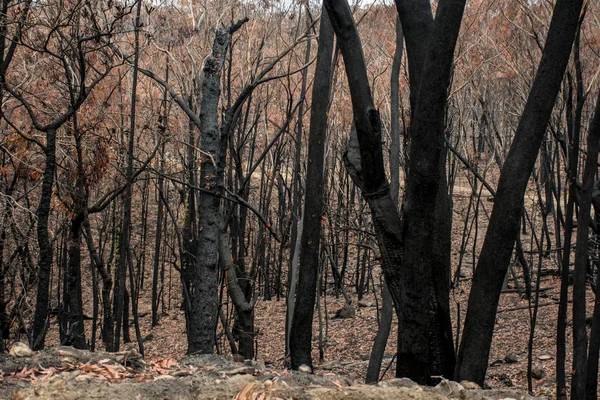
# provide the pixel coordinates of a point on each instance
(157, 246)
(126, 224)
(108, 321)
(561, 323)
(578, 379)
(297, 210)
(594, 352)
(76, 331)
(301, 331)
(40, 319)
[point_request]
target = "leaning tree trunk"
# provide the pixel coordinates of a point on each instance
(503, 228)
(387, 309)
(301, 330)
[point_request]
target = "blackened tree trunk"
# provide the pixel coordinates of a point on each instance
(76, 331)
(40, 318)
(574, 133)
(202, 282)
(301, 330)
(417, 22)
(580, 348)
(125, 238)
(503, 228)
(296, 209)
(107, 283)
(387, 310)
(4, 219)
(243, 308)
(407, 259)
(157, 244)
(163, 123)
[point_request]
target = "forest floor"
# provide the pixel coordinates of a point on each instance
(69, 374)
(347, 342)
(346, 345)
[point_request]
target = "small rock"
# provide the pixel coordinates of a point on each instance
(58, 383)
(267, 385)
(180, 373)
(305, 368)
(164, 377)
(470, 385)
(365, 303)
(148, 337)
(511, 359)
(260, 366)
(506, 380)
(345, 312)
(496, 363)
(537, 373)
(17, 395)
(400, 383)
(449, 388)
(84, 378)
(238, 358)
(545, 357)
(249, 363)
(20, 350)
(66, 353)
(240, 371)
(69, 375)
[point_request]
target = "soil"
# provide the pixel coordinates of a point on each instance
(69, 374)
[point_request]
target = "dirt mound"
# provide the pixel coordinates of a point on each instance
(69, 374)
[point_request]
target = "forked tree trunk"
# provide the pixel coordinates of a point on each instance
(405, 246)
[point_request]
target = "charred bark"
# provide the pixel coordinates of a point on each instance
(503, 228)
(301, 330)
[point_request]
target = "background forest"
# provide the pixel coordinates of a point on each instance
(206, 176)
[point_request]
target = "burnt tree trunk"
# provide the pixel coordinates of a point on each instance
(202, 281)
(125, 238)
(503, 228)
(42, 303)
(301, 329)
(579, 387)
(408, 262)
